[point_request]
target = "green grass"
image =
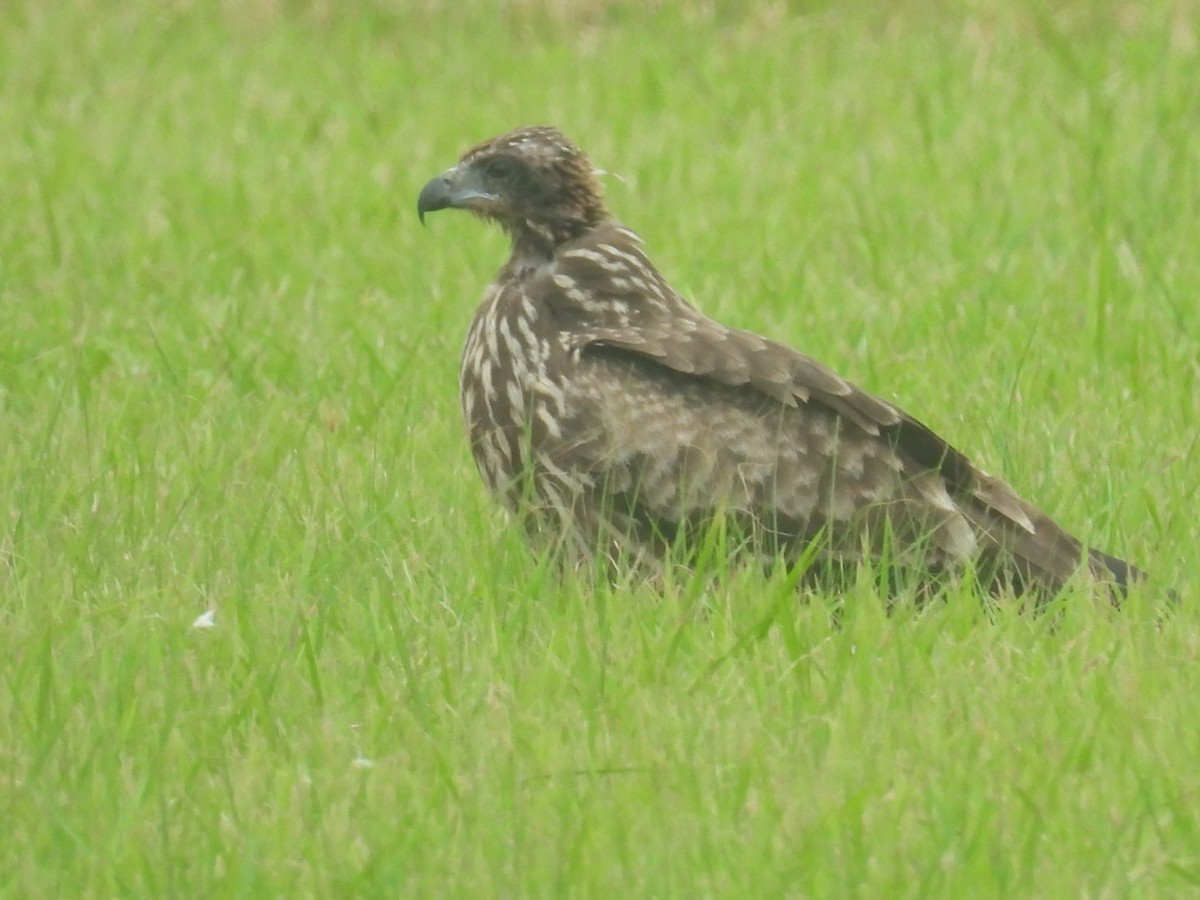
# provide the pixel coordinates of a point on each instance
(228, 361)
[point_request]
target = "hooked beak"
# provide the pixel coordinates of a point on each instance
(434, 196)
(450, 190)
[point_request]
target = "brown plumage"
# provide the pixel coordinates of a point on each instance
(620, 421)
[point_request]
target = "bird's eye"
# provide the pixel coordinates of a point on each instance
(500, 168)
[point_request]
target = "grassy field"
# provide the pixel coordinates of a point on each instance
(228, 386)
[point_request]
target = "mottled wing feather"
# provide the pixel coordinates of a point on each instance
(675, 449)
(610, 299)
(610, 295)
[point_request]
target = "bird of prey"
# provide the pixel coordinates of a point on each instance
(620, 422)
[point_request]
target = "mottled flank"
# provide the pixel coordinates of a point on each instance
(616, 419)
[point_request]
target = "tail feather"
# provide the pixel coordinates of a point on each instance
(1124, 575)
(1049, 557)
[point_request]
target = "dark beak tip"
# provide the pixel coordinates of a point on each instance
(434, 196)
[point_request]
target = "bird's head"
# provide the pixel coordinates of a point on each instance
(534, 182)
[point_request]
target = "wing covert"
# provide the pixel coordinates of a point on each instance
(608, 297)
